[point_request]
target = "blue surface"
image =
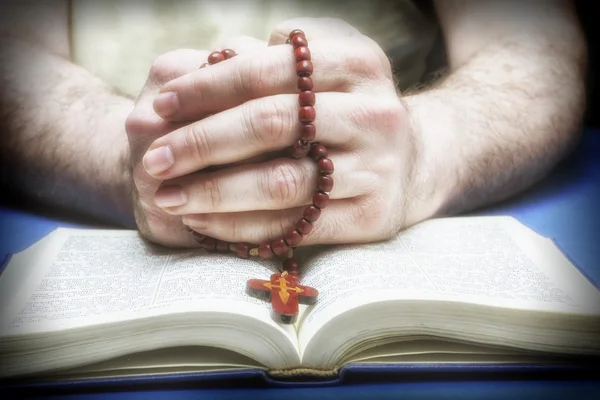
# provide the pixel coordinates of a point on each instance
(565, 207)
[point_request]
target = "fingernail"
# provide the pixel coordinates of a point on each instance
(166, 104)
(158, 160)
(196, 221)
(170, 196)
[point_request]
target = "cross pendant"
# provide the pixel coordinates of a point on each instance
(285, 293)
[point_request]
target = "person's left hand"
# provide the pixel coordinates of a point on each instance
(247, 106)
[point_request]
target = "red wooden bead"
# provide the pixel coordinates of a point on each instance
(305, 83)
(308, 133)
(318, 151)
(307, 98)
(304, 226)
(320, 200)
(302, 53)
(300, 149)
(210, 244)
(304, 68)
(279, 247)
(307, 114)
(291, 266)
(325, 183)
(293, 238)
(294, 33)
(264, 251)
(242, 250)
(228, 53)
(311, 213)
(325, 166)
(204, 65)
(222, 246)
(215, 57)
(299, 40)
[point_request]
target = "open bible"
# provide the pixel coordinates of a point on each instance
(84, 303)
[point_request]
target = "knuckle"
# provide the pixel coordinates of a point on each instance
(390, 115)
(211, 191)
(268, 122)
(197, 144)
(251, 77)
(373, 215)
(386, 116)
(282, 184)
(135, 123)
(367, 60)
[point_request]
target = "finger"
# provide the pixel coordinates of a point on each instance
(274, 185)
(313, 28)
(143, 125)
(251, 129)
(243, 45)
(341, 222)
(337, 67)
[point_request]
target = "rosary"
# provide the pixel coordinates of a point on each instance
(284, 289)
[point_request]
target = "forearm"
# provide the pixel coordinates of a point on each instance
(64, 140)
(497, 124)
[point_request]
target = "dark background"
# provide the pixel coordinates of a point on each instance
(590, 20)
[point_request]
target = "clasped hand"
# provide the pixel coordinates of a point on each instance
(210, 147)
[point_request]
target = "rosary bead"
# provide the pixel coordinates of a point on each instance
(204, 65)
(265, 251)
(222, 246)
(300, 149)
(228, 53)
(294, 33)
(293, 238)
(326, 166)
(307, 114)
(304, 68)
(320, 200)
(215, 57)
(311, 213)
(318, 151)
(279, 247)
(308, 133)
(303, 226)
(325, 183)
(242, 250)
(291, 266)
(299, 40)
(199, 238)
(305, 83)
(307, 98)
(210, 244)
(302, 53)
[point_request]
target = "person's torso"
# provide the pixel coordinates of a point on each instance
(118, 40)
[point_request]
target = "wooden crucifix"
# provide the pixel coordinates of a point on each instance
(285, 293)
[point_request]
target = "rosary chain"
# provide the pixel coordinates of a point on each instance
(304, 146)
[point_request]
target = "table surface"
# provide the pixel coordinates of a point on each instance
(564, 206)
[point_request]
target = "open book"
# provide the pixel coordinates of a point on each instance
(105, 303)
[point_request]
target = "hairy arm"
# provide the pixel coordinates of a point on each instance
(63, 137)
(509, 108)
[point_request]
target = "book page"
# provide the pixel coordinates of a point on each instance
(492, 261)
(76, 278)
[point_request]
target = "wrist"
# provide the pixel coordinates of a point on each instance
(120, 179)
(433, 174)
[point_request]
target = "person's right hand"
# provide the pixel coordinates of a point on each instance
(144, 126)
